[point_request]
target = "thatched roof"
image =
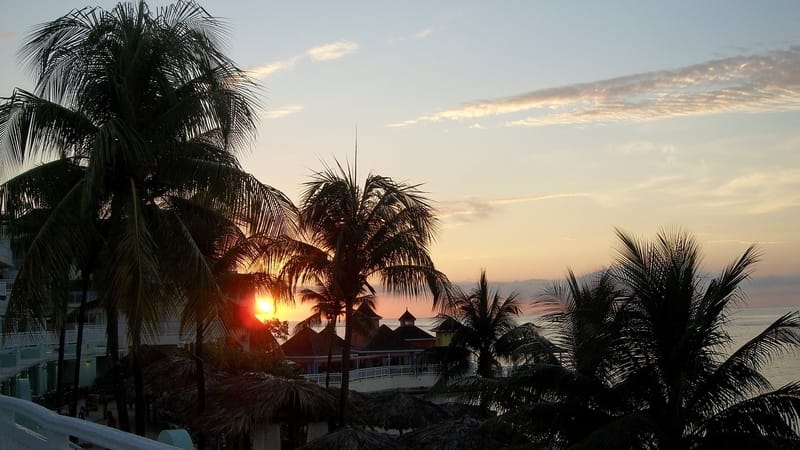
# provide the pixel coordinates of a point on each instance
(385, 339)
(397, 411)
(309, 343)
(349, 438)
(241, 402)
(464, 433)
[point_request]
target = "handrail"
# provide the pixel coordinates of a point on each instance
(375, 372)
(52, 431)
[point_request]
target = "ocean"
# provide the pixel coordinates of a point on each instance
(745, 323)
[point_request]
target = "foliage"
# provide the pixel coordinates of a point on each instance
(352, 236)
(636, 359)
(150, 109)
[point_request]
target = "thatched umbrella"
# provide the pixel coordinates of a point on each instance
(243, 402)
(464, 433)
(397, 411)
(349, 438)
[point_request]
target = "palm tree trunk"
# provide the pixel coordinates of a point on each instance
(73, 406)
(62, 338)
(330, 355)
(112, 331)
(201, 378)
(138, 384)
(348, 337)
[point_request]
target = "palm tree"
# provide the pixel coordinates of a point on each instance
(636, 360)
(479, 320)
(227, 250)
(154, 111)
(353, 235)
(27, 201)
(567, 379)
(695, 398)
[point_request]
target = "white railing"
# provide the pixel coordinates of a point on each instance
(21, 350)
(375, 372)
(26, 425)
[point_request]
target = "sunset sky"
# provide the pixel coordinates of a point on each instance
(535, 127)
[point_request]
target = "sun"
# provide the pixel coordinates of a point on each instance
(264, 308)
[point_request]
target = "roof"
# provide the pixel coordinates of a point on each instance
(412, 332)
(407, 316)
(367, 311)
(308, 342)
(446, 324)
(386, 340)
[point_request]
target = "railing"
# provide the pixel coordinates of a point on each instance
(21, 350)
(26, 425)
(375, 372)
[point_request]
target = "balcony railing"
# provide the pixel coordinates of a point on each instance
(375, 372)
(26, 425)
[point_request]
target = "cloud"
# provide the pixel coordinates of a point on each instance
(326, 52)
(332, 51)
(760, 192)
(422, 34)
(752, 83)
(475, 209)
(477, 126)
(283, 111)
(268, 69)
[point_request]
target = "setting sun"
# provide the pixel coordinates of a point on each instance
(264, 308)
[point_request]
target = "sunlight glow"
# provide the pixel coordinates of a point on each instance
(264, 308)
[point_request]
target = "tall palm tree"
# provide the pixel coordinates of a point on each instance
(154, 111)
(356, 234)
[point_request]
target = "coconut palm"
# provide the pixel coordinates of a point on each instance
(636, 360)
(566, 382)
(695, 397)
(153, 110)
(27, 200)
(354, 235)
(478, 320)
(227, 250)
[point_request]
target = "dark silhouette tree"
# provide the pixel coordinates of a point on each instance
(355, 234)
(154, 112)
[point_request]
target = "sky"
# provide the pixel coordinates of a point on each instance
(536, 128)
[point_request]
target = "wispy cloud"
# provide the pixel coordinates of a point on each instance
(752, 83)
(332, 51)
(475, 209)
(326, 52)
(268, 69)
(422, 34)
(760, 192)
(282, 111)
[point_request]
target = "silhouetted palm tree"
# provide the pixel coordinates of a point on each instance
(478, 321)
(154, 111)
(354, 235)
(635, 360)
(566, 382)
(695, 398)
(228, 253)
